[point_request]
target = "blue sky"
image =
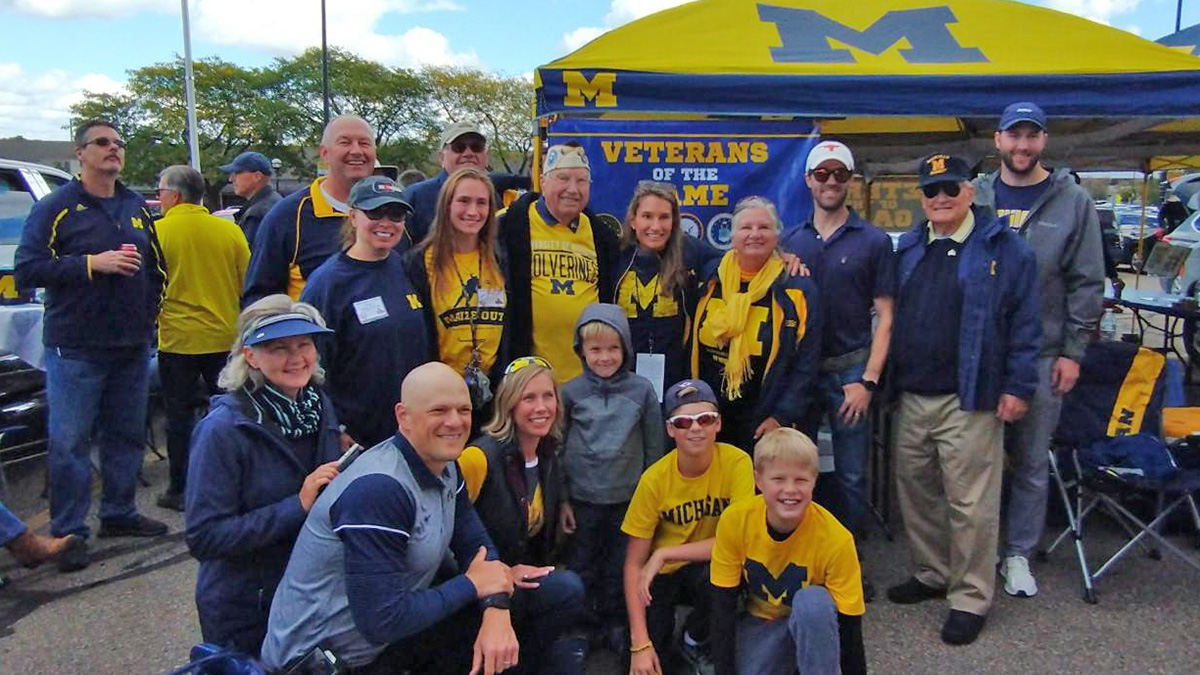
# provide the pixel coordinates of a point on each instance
(54, 49)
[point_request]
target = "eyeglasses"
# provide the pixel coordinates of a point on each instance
(460, 146)
(524, 361)
(822, 175)
(704, 419)
(393, 212)
(949, 187)
(104, 142)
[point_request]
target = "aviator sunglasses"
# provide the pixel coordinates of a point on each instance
(460, 146)
(704, 419)
(822, 175)
(949, 187)
(393, 212)
(104, 142)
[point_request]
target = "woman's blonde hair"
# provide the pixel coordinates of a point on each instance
(237, 373)
(672, 273)
(503, 426)
(441, 232)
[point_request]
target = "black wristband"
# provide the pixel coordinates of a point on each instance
(496, 601)
(870, 386)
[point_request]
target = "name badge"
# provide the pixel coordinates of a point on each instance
(369, 310)
(653, 367)
(491, 297)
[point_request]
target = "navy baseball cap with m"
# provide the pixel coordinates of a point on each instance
(249, 161)
(1023, 111)
(943, 168)
(688, 391)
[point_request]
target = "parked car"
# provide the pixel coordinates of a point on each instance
(1110, 235)
(1136, 241)
(21, 184)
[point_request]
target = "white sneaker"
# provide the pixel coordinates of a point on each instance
(1018, 580)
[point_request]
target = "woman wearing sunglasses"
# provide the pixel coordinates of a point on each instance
(457, 274)
(756, 338)
(259, 458)
(515, 480)
(365, 295)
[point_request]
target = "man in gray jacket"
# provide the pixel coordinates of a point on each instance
(614, 430)
(1056, 216)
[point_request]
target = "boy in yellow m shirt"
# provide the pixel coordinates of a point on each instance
(796, 565)
(671, 523)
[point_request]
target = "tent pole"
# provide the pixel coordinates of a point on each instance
(1142, 229)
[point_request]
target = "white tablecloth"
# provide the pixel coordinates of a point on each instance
(21, 332)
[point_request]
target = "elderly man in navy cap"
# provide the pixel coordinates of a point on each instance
(250, 173)
(964, 361)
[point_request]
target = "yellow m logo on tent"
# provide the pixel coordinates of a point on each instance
(598, 90)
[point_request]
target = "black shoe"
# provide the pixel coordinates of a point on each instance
(138, 526)
(74, 557)
(913, 591)
(961, 628)
(171, 500)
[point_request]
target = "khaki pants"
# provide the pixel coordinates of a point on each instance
(949, 464)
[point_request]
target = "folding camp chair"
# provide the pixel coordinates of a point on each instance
(1119, 394)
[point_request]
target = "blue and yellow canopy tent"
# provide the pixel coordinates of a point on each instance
(893, 77)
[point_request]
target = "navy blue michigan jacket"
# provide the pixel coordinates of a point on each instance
(88, 310)
(1000, 331)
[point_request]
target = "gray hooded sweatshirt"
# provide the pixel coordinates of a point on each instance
(1064, 231)
(614, 424)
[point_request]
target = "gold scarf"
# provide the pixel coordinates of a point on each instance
(728, 323)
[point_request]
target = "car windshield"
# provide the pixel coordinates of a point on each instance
(15, 204)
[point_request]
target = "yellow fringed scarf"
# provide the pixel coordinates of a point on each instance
(728, 323)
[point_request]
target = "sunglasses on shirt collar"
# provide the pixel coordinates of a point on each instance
(951, 189)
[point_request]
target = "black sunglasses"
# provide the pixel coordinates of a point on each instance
(475, 144)
(822, 175)
(393, 212)
(949, 187)
(104, 142)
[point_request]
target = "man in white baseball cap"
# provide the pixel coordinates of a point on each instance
(851, 261)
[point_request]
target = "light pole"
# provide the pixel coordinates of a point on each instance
(1178, 14)
(189, 87)
(325, 64)
(276, 165)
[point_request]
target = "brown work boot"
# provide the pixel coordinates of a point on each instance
(32, 549)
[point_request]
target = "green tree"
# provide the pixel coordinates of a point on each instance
(502, 106)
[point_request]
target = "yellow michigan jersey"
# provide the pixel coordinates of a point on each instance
(819, 552)
(672, 509)
(565, 280)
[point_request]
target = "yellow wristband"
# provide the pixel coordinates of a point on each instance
(635, 650)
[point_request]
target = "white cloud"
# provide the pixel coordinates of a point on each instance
(62, 9)
(37, 105)
(1101, 11)
(620, 12)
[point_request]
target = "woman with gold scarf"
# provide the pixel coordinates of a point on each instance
(756, 338)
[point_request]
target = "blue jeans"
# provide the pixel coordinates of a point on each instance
(598, 556)
(807, 639)
(11, 526)
(851, 443)
(102, 400)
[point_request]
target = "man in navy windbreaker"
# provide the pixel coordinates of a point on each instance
(964, 353)
(92, 245)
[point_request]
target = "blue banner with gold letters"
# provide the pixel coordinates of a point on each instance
(712, 164)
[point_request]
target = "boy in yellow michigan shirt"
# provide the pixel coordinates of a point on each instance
(671, 523)
(798, 568)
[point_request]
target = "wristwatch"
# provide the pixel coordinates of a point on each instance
(870, 385)
(497, 601)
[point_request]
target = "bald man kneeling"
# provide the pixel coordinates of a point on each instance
(360, 582)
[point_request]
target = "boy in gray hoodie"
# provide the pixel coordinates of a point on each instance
(614, 431)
